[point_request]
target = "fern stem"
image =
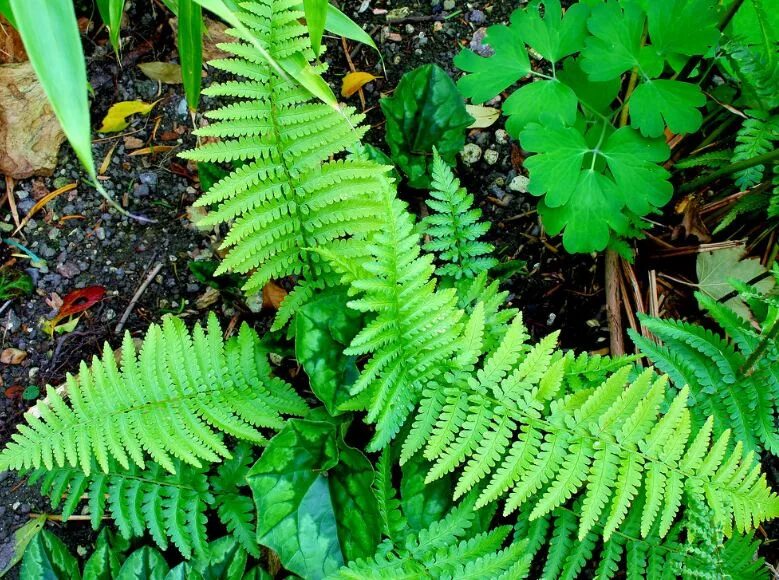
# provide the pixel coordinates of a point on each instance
(732, 168)
(765, 340)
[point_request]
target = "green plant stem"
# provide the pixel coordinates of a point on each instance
(724, 126)
(723, 23)
(765, 340)
(732, 168)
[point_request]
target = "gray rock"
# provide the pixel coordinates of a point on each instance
(501, 137)
(477, 43)
(449, 5)
(141, 190)
(11, 323)
(477, 17)
(68, 270)
(148, 178)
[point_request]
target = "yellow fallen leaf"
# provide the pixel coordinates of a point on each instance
(164, 72)
(354, 81)
(483, 116)
(116, 118)
(153, 150)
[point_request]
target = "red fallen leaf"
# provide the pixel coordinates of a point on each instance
(14, 392)
(78, 301)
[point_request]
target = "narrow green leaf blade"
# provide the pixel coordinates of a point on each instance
(50, 34)
(190, 40)
(5, 10)
(316, 15)
(340, 24)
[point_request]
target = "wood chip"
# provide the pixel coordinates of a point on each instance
(12, 356)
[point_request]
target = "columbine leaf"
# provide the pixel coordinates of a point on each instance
(555, 170)
(593, 210)
(657, 103)
(593, 95)
(490, 76)
(615, 46)
(554, 36)
(633, 161)
(528, 103)
(686, 27)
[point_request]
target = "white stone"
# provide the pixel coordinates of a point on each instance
(471, 153)
(519, 184)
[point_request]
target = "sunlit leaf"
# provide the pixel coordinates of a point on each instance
(116, 118)
(354, 81)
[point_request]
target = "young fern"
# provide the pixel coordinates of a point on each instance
(291, 195)
(757, 135)
(415, 327)
(713, 367)
(174, 400)
(454, 227)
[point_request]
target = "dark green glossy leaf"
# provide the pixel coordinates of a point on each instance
(226, 560)
(47, 558)
(103, 563)
(423, 504)
(313, 495)
(144, 564)
(323, 329)
(5, 10)
(209, 174)
(425, 111)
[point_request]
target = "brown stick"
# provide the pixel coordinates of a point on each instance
(136, 297)
(613, 310)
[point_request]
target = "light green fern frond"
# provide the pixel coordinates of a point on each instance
(173, 400)
(415, 326)
(291, 195)
(170, 507)
(455, 228)
(740, 399)
(515, 433)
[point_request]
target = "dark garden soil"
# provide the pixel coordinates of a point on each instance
(84, 242)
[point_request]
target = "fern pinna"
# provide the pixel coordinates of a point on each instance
(290, 195)
(172, 401)
(171, 507)
(726, 382)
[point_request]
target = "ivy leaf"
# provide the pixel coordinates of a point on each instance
(686, 27)
(554, 35)
(491, 76)
(423, 503)
(324, 327)
(529, 102)
(313, 494)
(425, 111)
(656, 103)
(145, 562)
(615, 45)
(633, 161)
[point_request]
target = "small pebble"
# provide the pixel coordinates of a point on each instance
(477, 17)
(491, 156)
(519, 184)
(471, 153)
(449, 5)
(501, 137)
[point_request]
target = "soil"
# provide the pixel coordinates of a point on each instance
(84, 242)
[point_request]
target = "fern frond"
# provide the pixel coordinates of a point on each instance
(171, 507)
(292, 196)
(514, 429)
(712, 159)
(234, 506)
(755, 137)
(739, 399)
(455, 228)
(415, 326)
(171, 401)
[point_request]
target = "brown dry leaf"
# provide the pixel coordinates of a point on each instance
(164, 72)
(207, 298)
(30, 135)
(11, 47)
(131, 142)
(692, 223)
(54, 301)
(354, 81)
(12, 356)
(273, 295)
